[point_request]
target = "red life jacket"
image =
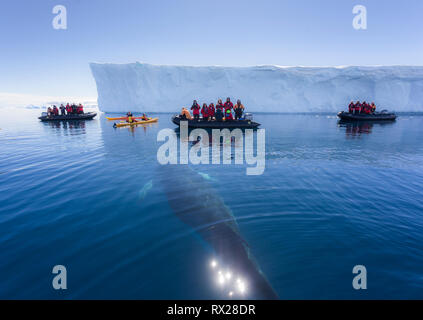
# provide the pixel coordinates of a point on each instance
(219, 106)
(228, 105)
(211, 111)
(195, 109)
(367, 109)
(205, 111)
(228, 115)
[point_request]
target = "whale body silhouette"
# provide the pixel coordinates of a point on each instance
(197, 204)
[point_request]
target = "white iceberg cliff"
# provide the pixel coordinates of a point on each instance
(145, 87)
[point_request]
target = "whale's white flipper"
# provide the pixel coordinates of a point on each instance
(206, 176)
(145, 189)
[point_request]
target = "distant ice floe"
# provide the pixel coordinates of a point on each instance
(145, 87)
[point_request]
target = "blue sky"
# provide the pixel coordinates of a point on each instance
(36, 59)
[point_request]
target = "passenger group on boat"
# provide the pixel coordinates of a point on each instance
(220, 112)
(361, 107)
(70, 109)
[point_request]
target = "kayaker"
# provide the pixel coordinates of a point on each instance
(219, 105)
(130, 118)
(205, 112)
(239, 109)
(228, 104)
(144, 117)
(195, 110)
(211, 111)
(62, 110)
(219, 115)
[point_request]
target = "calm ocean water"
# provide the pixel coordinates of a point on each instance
(332, 196)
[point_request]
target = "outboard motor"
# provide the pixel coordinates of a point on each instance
(248, 116)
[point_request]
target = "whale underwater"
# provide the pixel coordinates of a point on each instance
(196, 203)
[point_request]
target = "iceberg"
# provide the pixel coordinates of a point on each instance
(153, 88)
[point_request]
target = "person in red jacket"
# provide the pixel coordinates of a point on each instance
(211, 111)
(368, 108)
(195, 110)
(219, 105)
(205, 112)
(228, 105)
(68, 109)
(357, 107)
(80, 109)
(351, 107)
(228, 115)
(363, 107)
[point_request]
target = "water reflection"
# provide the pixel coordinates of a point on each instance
(133, 129)
(204, 139)
(356, 129)
(231, 284)
(71, 127)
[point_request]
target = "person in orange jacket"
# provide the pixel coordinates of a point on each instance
(372, 107)
(185, 115)
(239, 109)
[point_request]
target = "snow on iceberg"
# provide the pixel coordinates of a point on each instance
(145, 87)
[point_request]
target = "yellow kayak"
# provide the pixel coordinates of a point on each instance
(124, 118)
(126, 124)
